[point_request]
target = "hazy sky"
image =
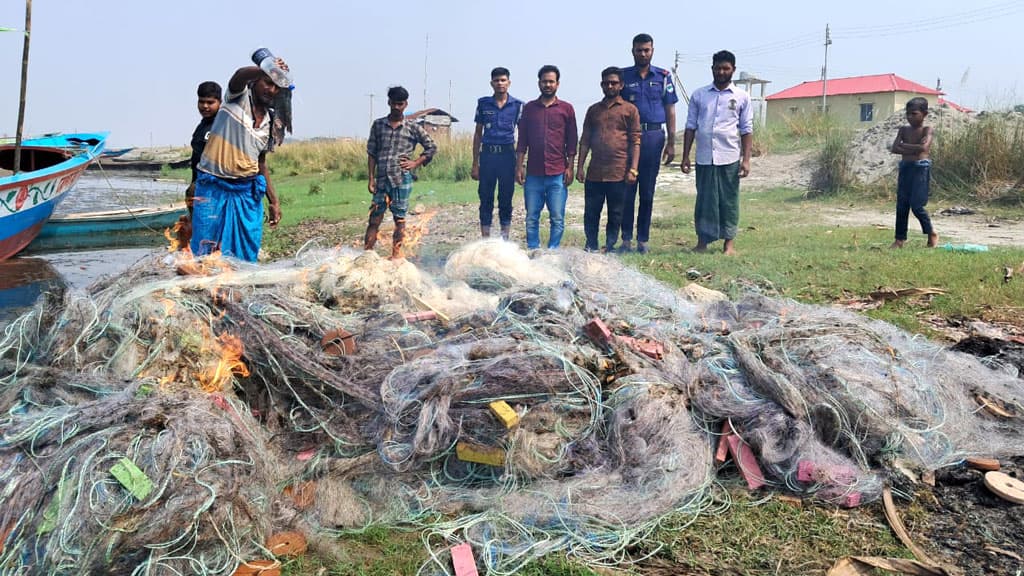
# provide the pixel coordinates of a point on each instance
(131, 66)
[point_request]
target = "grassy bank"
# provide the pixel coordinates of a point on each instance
(742, 536)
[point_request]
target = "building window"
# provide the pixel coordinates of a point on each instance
(793, 109)
(867, 112)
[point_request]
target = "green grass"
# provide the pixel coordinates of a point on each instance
(750, 537)
(785, 251)
(343, 201)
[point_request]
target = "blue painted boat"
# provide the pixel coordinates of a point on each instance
(22, 281)
(50, 166)
(116, 152)
(108, 228)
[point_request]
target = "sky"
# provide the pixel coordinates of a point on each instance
(131, 67)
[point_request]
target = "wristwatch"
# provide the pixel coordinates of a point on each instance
(634, 172)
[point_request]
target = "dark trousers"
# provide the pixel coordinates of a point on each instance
(497, 169)
(651, 145)
(912, 196)
(595, 196)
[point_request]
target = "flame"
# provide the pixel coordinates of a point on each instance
(168, 306)
(209, 265)
(179, 235)
(230, 364)
(416, 231)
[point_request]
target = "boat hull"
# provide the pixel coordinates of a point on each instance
(50, 168)
(22, 281)
(113, 228)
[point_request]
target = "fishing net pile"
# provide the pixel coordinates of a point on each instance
(177, 417)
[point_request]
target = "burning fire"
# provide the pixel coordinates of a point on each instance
(179, 235)
(230, 349)
(415, 230)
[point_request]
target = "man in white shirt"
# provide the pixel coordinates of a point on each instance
(720, 118)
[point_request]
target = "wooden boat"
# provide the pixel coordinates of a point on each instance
(121, 164)
(108, 228)
(22, 281)
(50, 166)
(116, 152)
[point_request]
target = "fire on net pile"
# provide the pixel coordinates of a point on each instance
(170, 423)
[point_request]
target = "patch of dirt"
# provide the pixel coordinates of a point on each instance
(766, 172)
(794, 171)
(976, 228)
(970, 526)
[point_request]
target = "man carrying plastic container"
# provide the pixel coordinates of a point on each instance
(233, 178)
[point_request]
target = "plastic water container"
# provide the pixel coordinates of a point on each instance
(965, 247)
(263, 58)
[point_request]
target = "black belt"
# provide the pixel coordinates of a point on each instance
(648, 126)
(497, 148)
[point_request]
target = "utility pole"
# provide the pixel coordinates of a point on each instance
(678, 82)
(371, 95)
(426, 49)
(824, 72)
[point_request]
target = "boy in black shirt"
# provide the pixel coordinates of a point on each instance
(209, 94)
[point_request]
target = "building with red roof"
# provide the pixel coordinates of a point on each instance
(859, 100)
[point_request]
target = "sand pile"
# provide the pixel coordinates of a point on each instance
(870, 156)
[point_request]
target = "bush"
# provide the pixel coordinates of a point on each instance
(833, 165)
(792, 133)
(984, 158)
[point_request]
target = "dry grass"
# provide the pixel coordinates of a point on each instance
(984, 160)
(345, 158)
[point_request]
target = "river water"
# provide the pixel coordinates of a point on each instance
(24, 278)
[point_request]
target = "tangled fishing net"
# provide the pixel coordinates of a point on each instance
(173, 419)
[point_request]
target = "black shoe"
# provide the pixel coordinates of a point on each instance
(641, 247)
(626, 246)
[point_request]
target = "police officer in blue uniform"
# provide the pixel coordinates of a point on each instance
(494, 152)
(652, 91)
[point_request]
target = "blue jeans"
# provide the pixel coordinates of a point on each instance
(538, 192)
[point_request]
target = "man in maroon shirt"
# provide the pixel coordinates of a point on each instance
(547, 131)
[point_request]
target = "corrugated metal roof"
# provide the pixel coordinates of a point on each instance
(953, 105)
(854, 85)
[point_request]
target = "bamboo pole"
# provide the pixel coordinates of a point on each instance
(24, 84)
